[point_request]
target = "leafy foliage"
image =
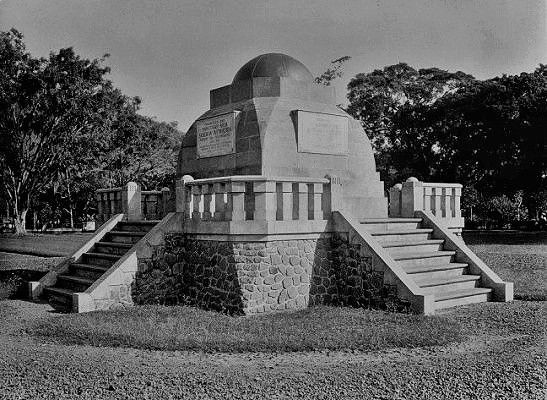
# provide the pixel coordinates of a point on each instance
(443, 126)
(333, 72)
(65, 130)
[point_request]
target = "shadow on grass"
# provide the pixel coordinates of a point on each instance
(182, 328)
(13, 283)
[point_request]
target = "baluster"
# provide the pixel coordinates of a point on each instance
(395, 200)
(196, 195)
(207, 197)
(165, 197)
(311, 199)
(188, 202)
(220, 205)
(265, 201)
(235, 210)
(302, 201)
(286, 188)
(437, 210)
(317, 195)
(99, 198)
(112, 198)
(428, 202)
(447, 202)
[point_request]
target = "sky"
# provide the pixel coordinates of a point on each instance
(172, 52)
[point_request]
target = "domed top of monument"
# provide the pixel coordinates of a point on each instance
(273, 65)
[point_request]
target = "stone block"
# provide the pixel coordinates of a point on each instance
(276, 259)
(292, 292)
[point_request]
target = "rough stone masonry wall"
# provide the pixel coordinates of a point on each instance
(257, 277)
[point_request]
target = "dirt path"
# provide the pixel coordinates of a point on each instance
(504, 367)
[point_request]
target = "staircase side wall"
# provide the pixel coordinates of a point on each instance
(113, 289)
(503, 291)
(36, 288)
(403, 288)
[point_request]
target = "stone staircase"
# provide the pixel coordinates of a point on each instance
(84, 271)
(424, 259)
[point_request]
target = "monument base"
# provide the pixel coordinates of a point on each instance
(248, 275)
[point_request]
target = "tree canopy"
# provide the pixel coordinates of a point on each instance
(66, 130)
(443, 126)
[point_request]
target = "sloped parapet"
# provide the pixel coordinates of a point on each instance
(113, 288)
(502, 291)
(393, 274)
(36, 288)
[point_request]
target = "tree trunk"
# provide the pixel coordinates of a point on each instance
(20, 222)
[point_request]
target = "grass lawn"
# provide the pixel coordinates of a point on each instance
(519, 257)
(188, 328)
(43, 245)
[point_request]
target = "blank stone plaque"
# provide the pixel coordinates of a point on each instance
(322, 133)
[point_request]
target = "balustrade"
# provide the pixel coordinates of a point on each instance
(254, 198)
(130, 200)
(441, 199)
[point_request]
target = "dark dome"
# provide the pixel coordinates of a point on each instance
(272, 65)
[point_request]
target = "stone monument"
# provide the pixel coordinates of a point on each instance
(274, 120)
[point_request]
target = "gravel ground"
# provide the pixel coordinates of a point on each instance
(494, 363)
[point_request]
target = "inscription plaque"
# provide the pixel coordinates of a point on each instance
(322, 133)
(216, 135)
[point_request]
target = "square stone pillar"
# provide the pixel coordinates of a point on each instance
(412, 197)
(131, 202)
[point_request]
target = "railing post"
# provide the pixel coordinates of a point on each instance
(99, 197)
(457, 192)
(131, 201)
(336, 193)
(395, 200)
(183, 196)
(235, 210)
(412, 197)
(265, 201)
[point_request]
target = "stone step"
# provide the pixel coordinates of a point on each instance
(102, 259)
(383, 224)
(462, 297)
(124, 237)
(88, 271)
(424, 258)
(112, 248)
(74, 283)
(136, 226)
(414, 245)
(59, 298)
(424, 272)
(400, 235)
(452, 284)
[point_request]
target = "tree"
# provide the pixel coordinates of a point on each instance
(376, 97)
(332, 72)
(54, 118)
